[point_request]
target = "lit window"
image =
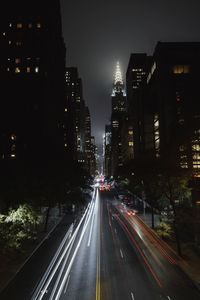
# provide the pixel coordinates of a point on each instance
(184, 165)
(9, 42)
(4, 33)
(181, 69)
(181, 121)
(8, 69)
(17, 70)
(12, 155)
(13, 137)
(18, 43)
(65, 145)
(130, 144)
(196, 147)
(19, 25)
(28, 69)
(38, 25)
(10, 25)
(65, 109)
(17, 60)
(36, 69)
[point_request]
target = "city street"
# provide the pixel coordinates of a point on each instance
(110, 254)
(100, 150)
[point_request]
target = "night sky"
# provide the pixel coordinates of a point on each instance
(98, 33)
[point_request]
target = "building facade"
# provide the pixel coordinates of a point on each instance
(32, 66)
(118, 116)
(172, 91)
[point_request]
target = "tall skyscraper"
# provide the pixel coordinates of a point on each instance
(135, 83)
(88, 146)
(107, 150)
(118, 116)
(77, 124)
(172, 91)
(32, 66)
(74, 111)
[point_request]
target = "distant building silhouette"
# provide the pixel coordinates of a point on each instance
(77, 122)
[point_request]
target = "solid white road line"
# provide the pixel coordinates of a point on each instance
(72, 259)
(92, 224)
(38, 295)
(121, 253)
(132, 296)
(67, 283)
(61, 272)
(46, 274)
(91, 227)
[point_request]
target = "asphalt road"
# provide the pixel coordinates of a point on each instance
(110, 254)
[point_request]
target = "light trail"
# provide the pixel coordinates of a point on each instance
(122, 256)
(132, 296)
(123, 225)
(47, 278)
(92, 224)
(67, 283)
(61, 272)
(73, 257)
(46, 274)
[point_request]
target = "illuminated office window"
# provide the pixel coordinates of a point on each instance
(181, 69)
(19, 25)
(17, 60)
(17, 70)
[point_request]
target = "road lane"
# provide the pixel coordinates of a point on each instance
(160, 258)
(84, 282)
(111, 254)
(122, 273)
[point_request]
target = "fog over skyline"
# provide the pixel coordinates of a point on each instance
(99, 33)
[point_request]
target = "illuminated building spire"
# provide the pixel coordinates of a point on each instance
(118, 85)
(118, 74)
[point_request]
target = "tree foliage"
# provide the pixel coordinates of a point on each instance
(18, 226)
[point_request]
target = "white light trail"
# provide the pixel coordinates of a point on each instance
(46, 274)
(132, 296)
(73, 257)
(43, 286)
(67, 283)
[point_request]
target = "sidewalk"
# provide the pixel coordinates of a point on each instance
(147, 218)
(10, 266)
(190, 263)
